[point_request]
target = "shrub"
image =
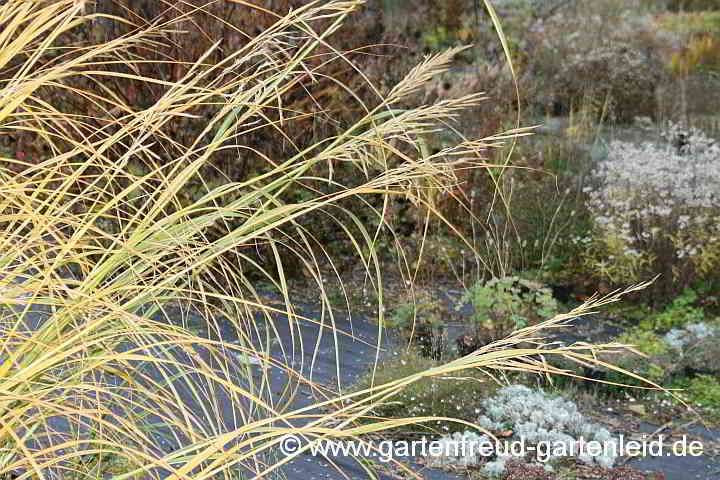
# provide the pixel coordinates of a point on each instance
(502, 305)
(616, 83)
(599, 57)
(654, 208)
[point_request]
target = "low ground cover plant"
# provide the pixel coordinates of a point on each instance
(449, 396)
(683, 310)
(536, 417)
(683, 356)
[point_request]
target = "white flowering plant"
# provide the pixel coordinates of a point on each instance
(655, 208)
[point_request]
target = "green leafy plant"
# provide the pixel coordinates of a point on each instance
(705, 391)
(502, 305)
(681, 311)
(405, 315)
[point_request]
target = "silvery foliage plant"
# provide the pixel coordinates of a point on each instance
(679, 338)
(696, 347)
(534, 417)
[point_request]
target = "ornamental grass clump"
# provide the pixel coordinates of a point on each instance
(655, 208)
(93, 246)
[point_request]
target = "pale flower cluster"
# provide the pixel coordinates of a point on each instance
(647, 194)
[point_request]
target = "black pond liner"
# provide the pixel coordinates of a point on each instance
(705, 467)
(356, 355)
